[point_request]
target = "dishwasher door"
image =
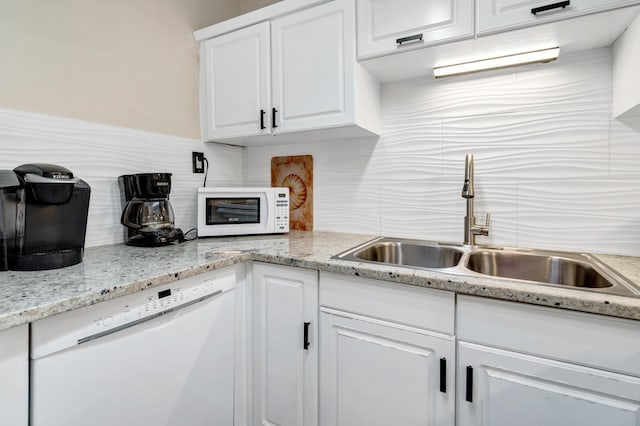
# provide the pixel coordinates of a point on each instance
(162, 357)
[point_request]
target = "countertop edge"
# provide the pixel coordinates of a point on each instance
(502, 289)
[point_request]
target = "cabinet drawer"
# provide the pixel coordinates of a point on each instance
(604, 342)
(382, 24)
(499, 15)
(404, 304)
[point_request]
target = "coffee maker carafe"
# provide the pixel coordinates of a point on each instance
(147, 213)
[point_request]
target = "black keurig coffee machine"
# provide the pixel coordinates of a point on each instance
(147, 213)
(43, 217)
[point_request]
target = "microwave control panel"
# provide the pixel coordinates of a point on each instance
(282, 211)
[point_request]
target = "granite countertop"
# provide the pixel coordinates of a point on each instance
(112, 271)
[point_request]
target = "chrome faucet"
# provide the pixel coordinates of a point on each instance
(471, 228)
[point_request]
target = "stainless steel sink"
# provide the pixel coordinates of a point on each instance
(554, 268)
(548, 269)
(406, 253)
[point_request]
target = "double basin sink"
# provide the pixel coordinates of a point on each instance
(563, 269)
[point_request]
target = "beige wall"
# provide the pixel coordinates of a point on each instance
(249, 5)
(130, 63)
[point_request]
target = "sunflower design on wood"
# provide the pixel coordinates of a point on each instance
(296, 173)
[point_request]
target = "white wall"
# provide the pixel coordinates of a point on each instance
(99, 153)
(552, 166)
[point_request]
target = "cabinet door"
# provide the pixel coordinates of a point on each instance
(382, 24)
(501, 15)
(285, 372)
(236, 83)
(508, 388)
(378, 373)
(14, 376)
(313, 60)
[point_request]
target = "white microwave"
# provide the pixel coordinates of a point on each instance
(242, 211)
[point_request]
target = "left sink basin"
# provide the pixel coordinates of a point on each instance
(405, 252)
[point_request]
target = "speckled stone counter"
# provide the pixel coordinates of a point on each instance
(111, 271)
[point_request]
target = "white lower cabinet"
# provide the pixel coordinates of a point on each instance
(14, 376)
(500, 387)
(285, 351)
(529, 366)
(382, 373)
(384, 357)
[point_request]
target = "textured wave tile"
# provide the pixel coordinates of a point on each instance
(599, 216)
(408, 149)
(347, 207)
(100, 153)
(332, 160)
(501, 200)
(487, 93)
(625, 151)
(576, 78)
(345, 197)
(572, 143)
(435, 210)
(87, 149)
(429, 209)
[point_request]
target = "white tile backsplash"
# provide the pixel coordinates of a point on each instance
(552, 166)
(99, 153)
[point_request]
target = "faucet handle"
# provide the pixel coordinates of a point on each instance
(484, 229)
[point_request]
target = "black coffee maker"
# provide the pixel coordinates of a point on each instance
(43, 217)
(147, 213)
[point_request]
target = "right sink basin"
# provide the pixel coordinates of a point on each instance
(547, 269)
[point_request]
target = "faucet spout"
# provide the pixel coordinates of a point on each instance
(468, 190)
(471, 228)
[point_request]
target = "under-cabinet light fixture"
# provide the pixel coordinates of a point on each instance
(545, 55)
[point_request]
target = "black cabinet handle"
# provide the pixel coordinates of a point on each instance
(305, 343)
(262, 113)
(443, 375)
(469, 390)
(273, 118)
(413, 38)
(558, 5)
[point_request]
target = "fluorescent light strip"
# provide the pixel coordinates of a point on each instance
(546, 55)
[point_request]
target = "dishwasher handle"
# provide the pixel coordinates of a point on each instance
(145, 319)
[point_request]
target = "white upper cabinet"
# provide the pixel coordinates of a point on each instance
(311, 66)
(388, 26)
(236, 83)
(626, 85)
(295, 72)
(500, 15)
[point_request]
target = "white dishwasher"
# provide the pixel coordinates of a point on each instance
(161, 357)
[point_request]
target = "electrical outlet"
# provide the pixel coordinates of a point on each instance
(197, 159)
